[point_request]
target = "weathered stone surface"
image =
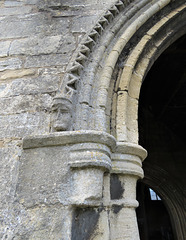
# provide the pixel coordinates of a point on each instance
(31, 1)
(20, 27)
(84, 223)
(46, 60)
(37, 40)
(15, 10)
(9, 154)
(40, 177)
(73, 137)
(35, 46)
(97, 4)
(127, 231)
(64, 185)
(116, 188)
(13, 3)
(25, 103)
(57, 70)
(4, 48)
(10, 63)
(28, 124)
(40, 222)
(9, 74)
(79, 23)
(30, 25)
(35, 85)
(87, 185)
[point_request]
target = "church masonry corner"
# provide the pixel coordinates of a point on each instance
(71, 75)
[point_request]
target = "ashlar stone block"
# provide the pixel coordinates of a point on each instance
(35, 45)
(10, 63)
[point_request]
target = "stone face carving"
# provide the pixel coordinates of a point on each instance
(61, 114)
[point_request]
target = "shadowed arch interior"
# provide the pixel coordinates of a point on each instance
(162, 122)
(148, 21)
(153, 218)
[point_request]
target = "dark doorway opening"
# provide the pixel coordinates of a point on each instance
(153, 218)
(162, 132)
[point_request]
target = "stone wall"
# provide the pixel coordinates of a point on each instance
(37, 40)
(75, 181)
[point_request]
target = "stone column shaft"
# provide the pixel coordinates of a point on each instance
(126, 169)
(61, 178)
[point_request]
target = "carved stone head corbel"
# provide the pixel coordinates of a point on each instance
(61, 118)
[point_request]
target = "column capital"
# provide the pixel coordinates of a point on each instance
(88, 148)
(127, 159)
(69, 137)
(83, 155)
(132, 149)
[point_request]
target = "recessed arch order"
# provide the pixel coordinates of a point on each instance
(157, 178)
(142, 29)
(103, 82)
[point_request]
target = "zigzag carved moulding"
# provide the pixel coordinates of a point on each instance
(82, 54)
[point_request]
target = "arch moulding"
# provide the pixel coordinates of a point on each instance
(98, 101)
(144, 35)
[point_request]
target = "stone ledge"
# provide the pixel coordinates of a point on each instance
(129, 203)
(90, 164)
(136, 172)
(131, 148)
(69, 137)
